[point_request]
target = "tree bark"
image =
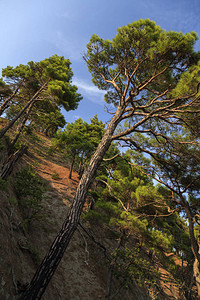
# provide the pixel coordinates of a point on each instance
(195, 245)
(52, 259)
(80, 168)
(30, 102)
(71, 166)
(196, 270)
(20, 129)
(5, 104)
(10, 162)
(197, 276)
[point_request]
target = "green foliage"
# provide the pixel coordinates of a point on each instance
(130, 266)
(29, 190)
(5, 90)
(47, 117)
(94, 217)
(51, 150)
(146, 72)
(13, 201)
(105, 213)
(55, 176)
(159, 240)
(55, 70)
(146, 221)
(140, 42)
(79, 139)
(28, 130)
(42, 89)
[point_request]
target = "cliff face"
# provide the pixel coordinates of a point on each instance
(83, 272)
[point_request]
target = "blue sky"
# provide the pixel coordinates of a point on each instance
(37, 29)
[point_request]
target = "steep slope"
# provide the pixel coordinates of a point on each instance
(83, 272)
(21, 251)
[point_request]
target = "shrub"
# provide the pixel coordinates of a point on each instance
(55, 176)
(29, 191)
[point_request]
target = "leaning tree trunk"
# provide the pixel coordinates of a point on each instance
(20, 128)
(196, 270)
(71, 166)
(197, 276)
(52, 259)
(29, 103)
(5, 104)
(10, 163)
(195, 245)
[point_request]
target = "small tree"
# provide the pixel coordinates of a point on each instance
(49, 79)
(79, 139)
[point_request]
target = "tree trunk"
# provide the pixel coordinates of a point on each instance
(80, 168)
(71, 166)
(5, 104)
(20, 129)
(48, 266)
(197, 276)
(30, 102)
(195, 245)
(10, 162)
(196, 270)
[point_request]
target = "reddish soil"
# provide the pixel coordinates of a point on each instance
(58, 178)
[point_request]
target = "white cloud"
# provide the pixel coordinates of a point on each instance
(73, 49)
(90, 91)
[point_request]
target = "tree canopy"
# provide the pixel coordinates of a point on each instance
(79, 139)
(49, 80)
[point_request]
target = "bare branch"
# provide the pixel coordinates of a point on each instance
(108, 159)
(86, 247)
(94, 240)
(131, 129)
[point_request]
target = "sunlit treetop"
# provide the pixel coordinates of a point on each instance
(55, 71)
(142, 55)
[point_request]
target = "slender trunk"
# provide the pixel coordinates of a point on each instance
(10, 163)
(5, 104)
(188, 295)
(80, 166)
(46, 131)
(52, 259)
(30, 102)
(109, 282)
(71, 166)
(195, 245)
(197, 276)
(20, 129)
(196, 270)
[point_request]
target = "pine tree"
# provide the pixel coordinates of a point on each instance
(139, 69)
(49, 79)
